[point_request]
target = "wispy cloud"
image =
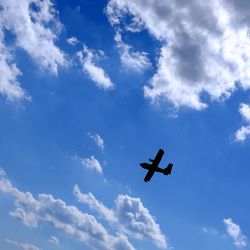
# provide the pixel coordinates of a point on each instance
(137, 61)
(92, 163)
(245, 111)
(210, 230)
(242, 133)
(9, 85)
(30, 25)
(94, 204)
(129, 216)
(234, 231)
(72, 41)
(24, 246)
(88, 60)
(68, 219)
(35, 27)
(97, 139)
(54, 240)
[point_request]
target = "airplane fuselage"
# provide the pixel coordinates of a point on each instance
(151, 167)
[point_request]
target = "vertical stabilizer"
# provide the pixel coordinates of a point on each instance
(168, 169)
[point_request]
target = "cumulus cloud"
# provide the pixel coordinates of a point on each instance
(68, 219)
(137, 221)
(95, 73)
(97, 139)
(34, 27)
(92, 163)
(137, 61)
(128, 214)
(204, 46)
(24, 246)
(233, 230)
(242, 133)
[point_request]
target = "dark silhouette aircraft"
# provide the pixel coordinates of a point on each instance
(153, 167)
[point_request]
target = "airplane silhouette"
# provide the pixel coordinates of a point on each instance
(153, 167)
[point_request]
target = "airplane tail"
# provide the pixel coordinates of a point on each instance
(168, 169)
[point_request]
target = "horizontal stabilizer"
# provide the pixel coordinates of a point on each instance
(168, 169)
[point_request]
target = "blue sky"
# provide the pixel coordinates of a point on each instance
(90, 89)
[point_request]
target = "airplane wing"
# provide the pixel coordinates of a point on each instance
(149, 175)
(158, 157)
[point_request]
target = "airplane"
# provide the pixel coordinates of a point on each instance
(153, 167)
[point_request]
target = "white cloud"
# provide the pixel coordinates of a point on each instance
(9, 86)
(34, 27)
(210, 230)
(92, 163)
(245, 111)
(242, 133)
(68, 219)
(96, 74)
(94, 204)
(97, 139)
(233, 230)
(72, 41)
(204, 46)
(128, 215)
(54, 240)
(137, 221)
(137, 61)
(30, 26)
(24, 246)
